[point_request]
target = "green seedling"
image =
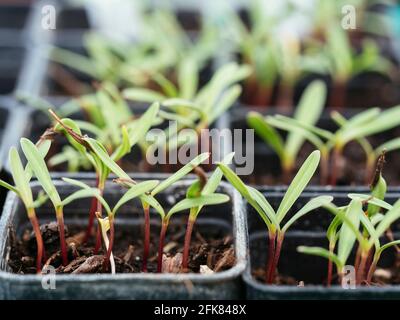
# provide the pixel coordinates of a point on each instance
(162, 46)
(203, 186)
(338, 59)
(129, 136)
(274, 219)
(22, 189)
(165, 217)
(107, 224)
(190, 106)
(358, 128)
(349, 219)
(39, 169)
(308, 112)
(97, 150)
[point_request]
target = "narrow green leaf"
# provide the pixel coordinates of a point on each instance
(266, 132)
(134, 192)
(321, 252)
(207, 200)
(143, 95)
(372, 200)
(144, 124)
(181, 173)
(40, 170)
(100, 152)
(309, 207)
(308, 112)
(298, 184)
(347, 237)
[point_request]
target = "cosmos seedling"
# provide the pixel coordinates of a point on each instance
(308, 112)
(22, 189)
(273, 219)
(358, 128)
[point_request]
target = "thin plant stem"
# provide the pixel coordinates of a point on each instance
(92, 214)
(372, 269)
(146, 247)
(271, 254)
(279, 240)
(361, 268)
(188, 236)
(110, 244)
(330, 266)
(39, 240)
(163, 231)
(60, 221)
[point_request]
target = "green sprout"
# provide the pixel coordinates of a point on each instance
(308, 113)
(127, 139)
(145, 62)
(190, 106)
(22, 189)
(38, 166)
(338, 59)
(107, 224)
(349, 219)
(165, 217)
(358, 128)
(273, 219)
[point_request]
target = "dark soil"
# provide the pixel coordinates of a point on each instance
(210, 248)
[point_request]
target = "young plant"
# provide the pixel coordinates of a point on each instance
(308, 112)
(159, 51)
(107, 224)
(274, 219)
(339, 59)
(22, 189)
(201, 187)
(165, 217)
(127, 139)
(349, 219)
(358, 128)
(194, 107)
(38, 166)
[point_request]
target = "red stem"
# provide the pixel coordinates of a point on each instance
(161, 245)
(361, 269)
(92, 214)
(146, 248)
(100, 211)
(60, 221)
(271, 254)
(188, 237)
(110, 245)
(279, 241)
(39, 242)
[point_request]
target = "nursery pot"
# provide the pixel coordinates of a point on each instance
(309, 231)
(228, 218)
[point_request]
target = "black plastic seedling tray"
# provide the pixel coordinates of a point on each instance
(309, 231)
(223, 285)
